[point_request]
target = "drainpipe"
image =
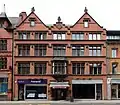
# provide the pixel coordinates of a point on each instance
(13, 64)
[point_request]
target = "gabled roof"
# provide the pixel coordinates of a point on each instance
(28, 16)
(86, 13)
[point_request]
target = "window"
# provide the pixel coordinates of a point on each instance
(94, 36)
(59, 50)
(32, 23)
(40, 68)
(23, 50)
(3, 44)
(40, 50)
(3, 63)
(78, 68)
(59, 68)
(94, 51)
(24, 35)
(3, 85)
(59, 36)
(77, 50)
(40, 35)
(77, 36)
(114, 68)
(86, 23)
(114, 52)
(113, 37)
(23, 68)
(95, 68)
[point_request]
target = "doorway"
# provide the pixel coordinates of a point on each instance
(59, 94)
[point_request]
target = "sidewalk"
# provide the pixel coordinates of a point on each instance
(64, 102)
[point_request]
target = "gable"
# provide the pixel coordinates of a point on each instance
(25, 24)
(93, 25)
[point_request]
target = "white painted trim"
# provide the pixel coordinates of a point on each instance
(87, 81)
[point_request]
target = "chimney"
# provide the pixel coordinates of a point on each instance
(22, 16)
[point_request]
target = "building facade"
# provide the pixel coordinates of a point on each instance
(113, 64)
(55, 62)
(5, 57)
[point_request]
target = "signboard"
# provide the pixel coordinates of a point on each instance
(32, 81)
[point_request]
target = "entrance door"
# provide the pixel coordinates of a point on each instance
(114, 91)
(21, 92)
(59, 94)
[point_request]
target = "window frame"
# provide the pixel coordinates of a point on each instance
(59, 36)
(40, 50)
(97, 66)
(78, 68)
(23, 68)
(40, 68)
(59, 50)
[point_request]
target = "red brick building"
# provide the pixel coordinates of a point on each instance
(5, 57)
(58, 61)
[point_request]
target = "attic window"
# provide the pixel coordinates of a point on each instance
(86, 23)
(32, 23)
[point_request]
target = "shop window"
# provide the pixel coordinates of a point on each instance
(23, 68)
(40, 35)
(77, 50)
(3, 45)
(23, 50)
(78, 68)
(3, 85)
(114, 68)
(40, 50)
(95, 68)
(40, 68)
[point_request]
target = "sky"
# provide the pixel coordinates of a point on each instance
(105, 12)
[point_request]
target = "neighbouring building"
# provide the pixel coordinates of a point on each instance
(5, 57)
(54, 62)
(113, 64)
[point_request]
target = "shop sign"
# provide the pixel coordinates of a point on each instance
(32, 81)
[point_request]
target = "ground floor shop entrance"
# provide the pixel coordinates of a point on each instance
(32, 89)
(59, 90)
(86, 89)
(59, 94)
(115, 91)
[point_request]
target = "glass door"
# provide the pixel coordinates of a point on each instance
(114, 91)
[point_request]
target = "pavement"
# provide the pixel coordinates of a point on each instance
(80, 102)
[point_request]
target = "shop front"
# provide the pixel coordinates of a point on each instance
(113, 88)
(29, 89)
(59, 90)
(87, 89)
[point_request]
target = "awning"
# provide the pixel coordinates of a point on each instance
(59, 85)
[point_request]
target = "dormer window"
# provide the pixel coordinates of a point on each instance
(32, 23)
